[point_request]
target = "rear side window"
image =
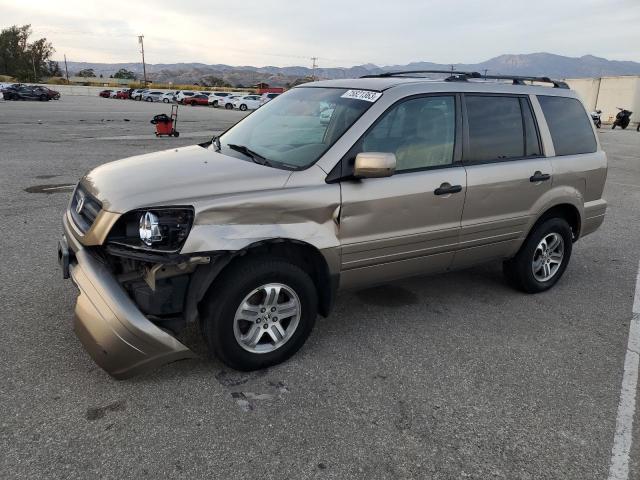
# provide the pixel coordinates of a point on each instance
(497, 129)
(570, 127)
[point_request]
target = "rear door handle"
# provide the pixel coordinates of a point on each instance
(447, 188)
(539, 177)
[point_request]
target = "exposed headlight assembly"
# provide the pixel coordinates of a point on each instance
(162, 229)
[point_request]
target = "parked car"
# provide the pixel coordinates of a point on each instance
(105, 93)
(216, 96)
(153, 96)
(123, 94)
(169, 97)
(52, 94)
(227, 102)
(247, 102)
(25, 92)
(252, 234)
(137, 93)
(182, 95)
(267, 97)
(198, 99)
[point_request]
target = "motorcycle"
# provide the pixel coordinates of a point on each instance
(595, 116)
(622, 119)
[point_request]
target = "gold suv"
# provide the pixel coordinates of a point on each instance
(332, 185)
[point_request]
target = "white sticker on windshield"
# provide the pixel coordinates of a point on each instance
(365, 95)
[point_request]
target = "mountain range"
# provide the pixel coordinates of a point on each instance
(534, 64)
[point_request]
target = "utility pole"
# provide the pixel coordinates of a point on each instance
(66, 70)
(144, 67)
(33, 61)
(485, 72)
(314, 65)
(452, 68)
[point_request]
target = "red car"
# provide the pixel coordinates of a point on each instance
(200, 99)
(105, 93)
(123, 94)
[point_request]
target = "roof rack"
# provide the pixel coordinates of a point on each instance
(519, 80)
(453, 75)
(464, 76)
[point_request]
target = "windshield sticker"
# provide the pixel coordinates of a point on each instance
(365, 95)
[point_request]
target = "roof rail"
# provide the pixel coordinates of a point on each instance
(453, 75)
(464, 76)
(519, 80)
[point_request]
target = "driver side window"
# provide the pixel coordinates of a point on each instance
(420, 132)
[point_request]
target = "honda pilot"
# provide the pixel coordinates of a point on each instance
(333, 185)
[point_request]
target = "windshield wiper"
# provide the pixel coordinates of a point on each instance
(255, 156)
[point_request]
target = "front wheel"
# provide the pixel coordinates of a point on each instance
(243, 107)
(543, 258)
(228, 106)
(259, 313)
(165, 100)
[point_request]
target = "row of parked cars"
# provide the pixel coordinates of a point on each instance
(19, 91)
(228, 100)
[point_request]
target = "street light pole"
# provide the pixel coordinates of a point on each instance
(144, 67)
(66, 70)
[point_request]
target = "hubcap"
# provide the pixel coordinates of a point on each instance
(548, 257)
(267, 318)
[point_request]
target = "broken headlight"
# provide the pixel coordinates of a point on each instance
(164, 229)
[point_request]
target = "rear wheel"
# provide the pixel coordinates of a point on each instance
(215, 104)
(259, 313)
(543, 258)
(149, 99)
(243, 107)
(165, 100)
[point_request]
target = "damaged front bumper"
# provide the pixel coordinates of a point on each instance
(112, 329)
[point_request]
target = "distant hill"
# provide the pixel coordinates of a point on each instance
(538, 64)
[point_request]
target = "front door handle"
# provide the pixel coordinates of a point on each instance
(539, 177)
(447, 188)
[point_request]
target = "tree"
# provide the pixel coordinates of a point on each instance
(213, 81)
(21, 59)
(86, 72)
(54, 69)
(124, 73)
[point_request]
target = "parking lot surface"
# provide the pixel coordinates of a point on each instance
(455, 376)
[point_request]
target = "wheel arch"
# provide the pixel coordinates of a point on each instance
(298, 252)
(567, 211)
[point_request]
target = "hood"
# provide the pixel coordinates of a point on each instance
(181, 176)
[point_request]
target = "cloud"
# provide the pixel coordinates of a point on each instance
(339, 32)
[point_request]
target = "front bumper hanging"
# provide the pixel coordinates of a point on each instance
(119, 338)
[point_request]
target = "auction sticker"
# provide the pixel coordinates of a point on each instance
(366, 95)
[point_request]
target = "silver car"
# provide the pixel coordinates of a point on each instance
(251, 235)
(153, 96)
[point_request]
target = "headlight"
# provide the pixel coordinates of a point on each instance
(150, 229)
(163, 229)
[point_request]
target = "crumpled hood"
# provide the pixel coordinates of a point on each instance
(181, 176)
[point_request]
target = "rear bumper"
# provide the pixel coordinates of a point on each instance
(593, 216)
(109, 325)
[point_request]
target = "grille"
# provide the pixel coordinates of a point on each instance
(84, 209)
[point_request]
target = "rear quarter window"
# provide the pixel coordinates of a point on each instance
(569, 125)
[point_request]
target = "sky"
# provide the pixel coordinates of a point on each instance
(338, 32)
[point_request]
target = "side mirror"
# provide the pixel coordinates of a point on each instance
(374, 165)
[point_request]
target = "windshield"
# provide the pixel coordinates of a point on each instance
(295, 129)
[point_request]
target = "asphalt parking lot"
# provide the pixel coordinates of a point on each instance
(455, 376)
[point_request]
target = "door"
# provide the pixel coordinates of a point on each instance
(506, 176)
(408, 223)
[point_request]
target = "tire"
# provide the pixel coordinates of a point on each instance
(228, 106)
(149, 99)
(215, 104)
(222, 331)
(176, 134)
(43, 98)
(243, 107)
(519, 270)
(165, 100)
